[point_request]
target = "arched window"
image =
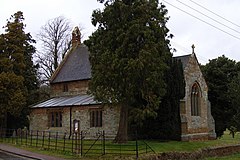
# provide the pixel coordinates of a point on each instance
(195, 100)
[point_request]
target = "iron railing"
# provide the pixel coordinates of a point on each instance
(77, 143)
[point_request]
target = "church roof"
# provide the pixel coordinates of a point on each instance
(79, 100)
(75, 66)
(184, 59)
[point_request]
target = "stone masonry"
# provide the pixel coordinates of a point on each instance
(202, 126)
(39, 120)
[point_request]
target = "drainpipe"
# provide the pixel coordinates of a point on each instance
(70, 132)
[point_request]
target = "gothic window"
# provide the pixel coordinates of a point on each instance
(96, 118)
(195, 100)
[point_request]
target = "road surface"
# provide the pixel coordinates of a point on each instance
(9, 156)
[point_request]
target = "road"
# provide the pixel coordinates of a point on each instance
(9, 156)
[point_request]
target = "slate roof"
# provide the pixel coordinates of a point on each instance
(75, 66)
(79, 100)
(184, 59)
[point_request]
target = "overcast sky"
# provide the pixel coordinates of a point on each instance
(212, 36)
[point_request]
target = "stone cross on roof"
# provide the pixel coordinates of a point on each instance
(193, 47)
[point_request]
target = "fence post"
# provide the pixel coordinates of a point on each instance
(49, 135)
(26, 137)
(9, 136)
(43, 139)
(81, 138)
(1, 135)
(21, 135)
(72, 141)
(64, 141)
(37, 139)
(120, 149)
(31, 132)
(16, 137)
(56, 141)
(103, 142)
(78, 142)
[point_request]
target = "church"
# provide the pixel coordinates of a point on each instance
(195, 109)
(71, 109)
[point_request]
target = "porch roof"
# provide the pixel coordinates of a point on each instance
(79, 100)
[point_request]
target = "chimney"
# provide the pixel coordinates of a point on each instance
(76, 37)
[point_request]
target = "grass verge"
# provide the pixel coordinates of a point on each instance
(179, 146)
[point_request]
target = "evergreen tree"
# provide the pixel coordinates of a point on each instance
(233, 92)
(169, 110)
(12, 90)
(219, 73)
(16, 65)
(129, 54)
(167, 124)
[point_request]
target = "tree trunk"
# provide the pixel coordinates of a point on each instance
(122, 134)
(55, 54)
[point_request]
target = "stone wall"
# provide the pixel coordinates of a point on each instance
(110, 120)
(195, 127)
(201, 154)
(38, 119)
(74, 88)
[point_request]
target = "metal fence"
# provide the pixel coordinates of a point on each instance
(77, 143)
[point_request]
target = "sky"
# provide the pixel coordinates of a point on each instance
(213, 26)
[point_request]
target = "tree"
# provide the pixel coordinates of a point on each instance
(129, 51)
(219, 73)
(234, 90)
(55, 37)
(13, 97)
(18, 78)
(167, 124)
(168, 120)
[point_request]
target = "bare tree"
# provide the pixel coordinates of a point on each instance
(55, 38)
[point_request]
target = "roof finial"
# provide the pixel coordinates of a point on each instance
(193, 47)
(76, 37)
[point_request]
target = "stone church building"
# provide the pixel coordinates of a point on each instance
(70, 108)
(195, 109)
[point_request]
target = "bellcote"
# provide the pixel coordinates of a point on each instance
(76, 37)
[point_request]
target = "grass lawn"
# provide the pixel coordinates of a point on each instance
(193, 146)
